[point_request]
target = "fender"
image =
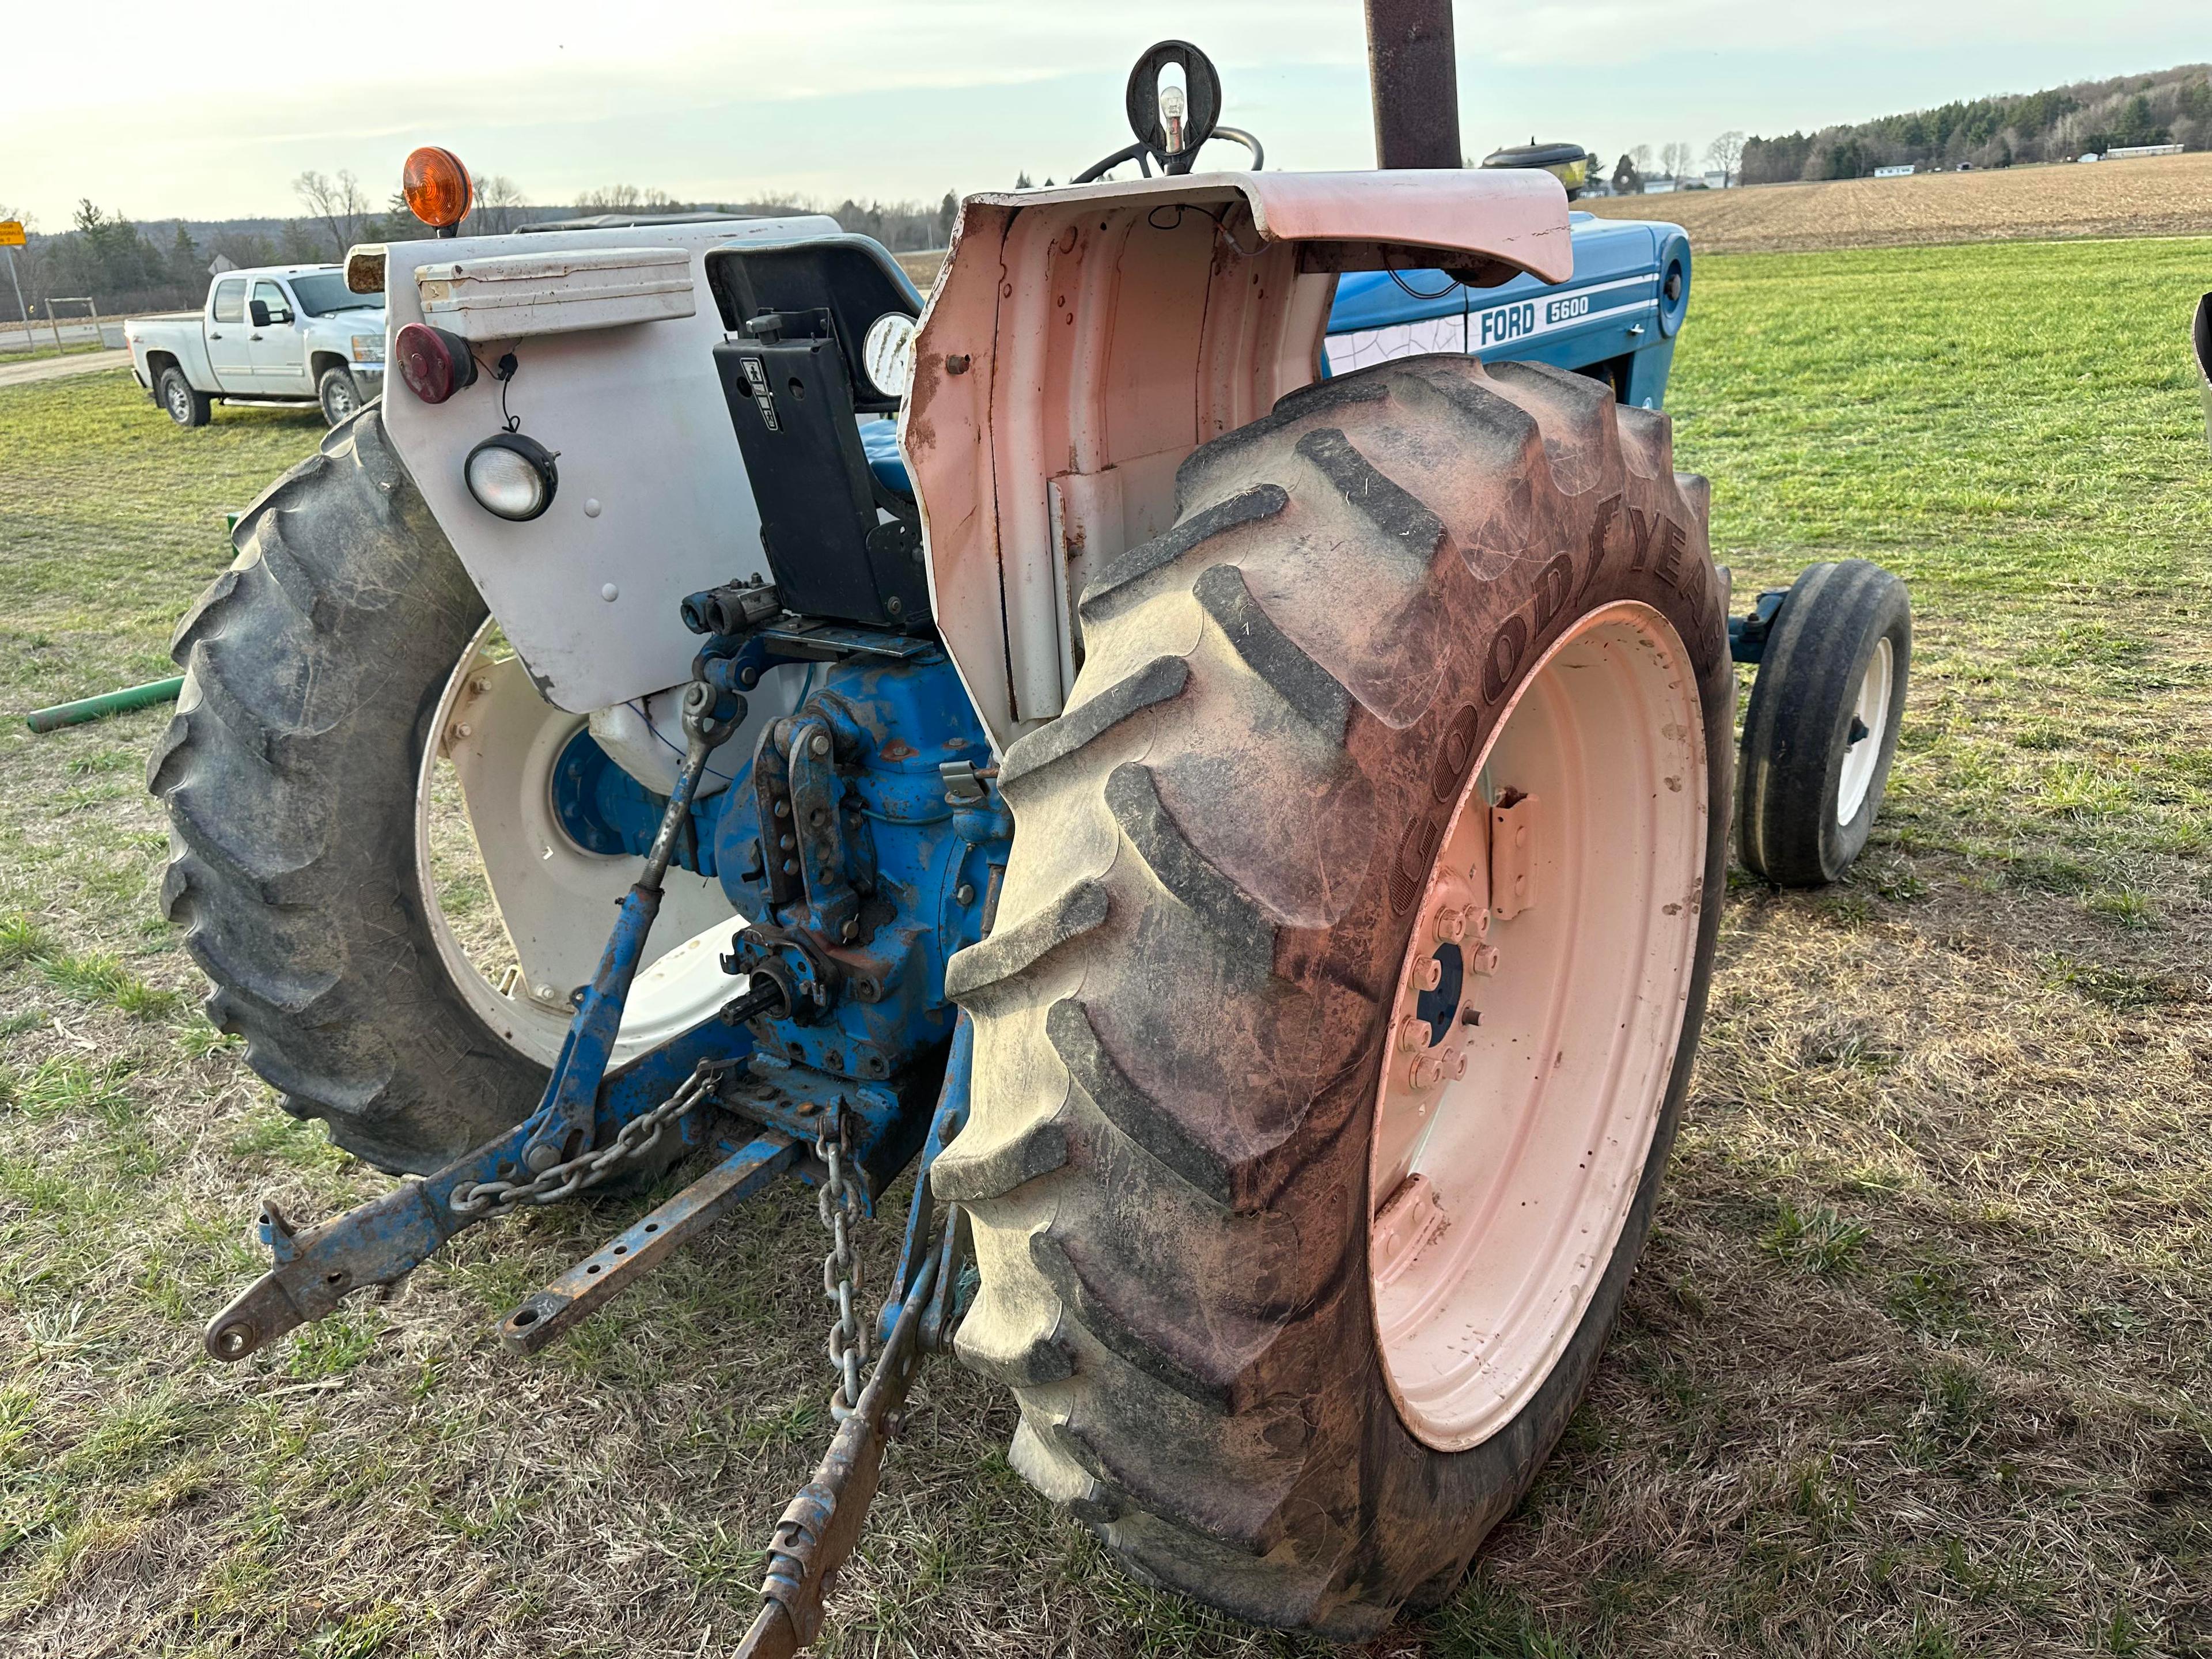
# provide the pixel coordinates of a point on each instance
(1081, 342)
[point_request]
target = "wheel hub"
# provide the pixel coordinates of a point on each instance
(1534, 1025)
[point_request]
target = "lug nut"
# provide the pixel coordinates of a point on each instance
(1459, 1066)
(1451, 926)
(1427, 1072)
(1413, 1032)
(1432, 974)
(964, 895)
(1483, 958)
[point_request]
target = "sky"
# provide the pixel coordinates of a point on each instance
(156, 112)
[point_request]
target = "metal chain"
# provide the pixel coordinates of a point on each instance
(632, 1141)
(838, 1200)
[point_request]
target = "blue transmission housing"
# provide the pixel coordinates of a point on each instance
(862, 848)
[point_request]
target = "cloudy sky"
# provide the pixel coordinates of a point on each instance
(154, 109)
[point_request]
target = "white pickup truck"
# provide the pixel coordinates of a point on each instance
(280, 334)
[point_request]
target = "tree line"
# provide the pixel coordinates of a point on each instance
(2089, 117)
(124, 266)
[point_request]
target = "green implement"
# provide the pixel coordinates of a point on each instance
(107, 703)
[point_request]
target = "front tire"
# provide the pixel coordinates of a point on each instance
(1820, 729)
(184, 406)
(338, 394)
(1190, 1017)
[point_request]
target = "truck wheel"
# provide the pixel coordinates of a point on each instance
(1346, 978)
(1820, 729)
(338, 395)
(183, 404)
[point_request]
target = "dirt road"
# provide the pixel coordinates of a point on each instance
(54, 368)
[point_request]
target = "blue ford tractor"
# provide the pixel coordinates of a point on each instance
(1210, 742)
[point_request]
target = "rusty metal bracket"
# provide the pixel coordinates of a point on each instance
(623, 1260)
(822, 1526)
(1513, 838)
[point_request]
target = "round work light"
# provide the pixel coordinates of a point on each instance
(511, 476)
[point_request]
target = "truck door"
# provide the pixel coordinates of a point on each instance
(280, 355)
(230, 353)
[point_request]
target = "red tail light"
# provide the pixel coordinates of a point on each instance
(434, 363)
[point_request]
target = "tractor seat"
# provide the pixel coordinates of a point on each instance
(879, 440)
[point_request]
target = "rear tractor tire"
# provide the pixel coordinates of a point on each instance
(1346, 980)
(314, 667)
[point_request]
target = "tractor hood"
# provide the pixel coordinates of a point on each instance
(1080, 343)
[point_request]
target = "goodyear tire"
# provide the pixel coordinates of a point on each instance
(314, 667)
(1214, 935)
(1820, 729)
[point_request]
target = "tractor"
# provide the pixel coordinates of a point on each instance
(1210, 742)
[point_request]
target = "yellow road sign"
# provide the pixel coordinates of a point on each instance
(11, 233)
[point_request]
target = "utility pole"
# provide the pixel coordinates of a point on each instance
(20, 308)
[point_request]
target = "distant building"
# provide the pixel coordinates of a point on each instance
(1716, 180)
(1905, 171)
(1658, 185)
(2129, 152)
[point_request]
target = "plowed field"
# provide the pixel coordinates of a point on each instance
(2159, 196)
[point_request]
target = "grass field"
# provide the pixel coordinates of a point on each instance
(2159, 195)
(1919, 1363)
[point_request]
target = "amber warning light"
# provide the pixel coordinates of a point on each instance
(437, 188)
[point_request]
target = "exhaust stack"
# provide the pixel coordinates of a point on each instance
(1415, 81)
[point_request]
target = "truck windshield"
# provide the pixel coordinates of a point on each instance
(326, 292)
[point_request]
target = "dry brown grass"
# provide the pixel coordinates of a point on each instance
(2158, 196)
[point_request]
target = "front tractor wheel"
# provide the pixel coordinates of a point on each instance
(1348, 973)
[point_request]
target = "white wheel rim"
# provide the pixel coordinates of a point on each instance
(1871, 714)
(560, 887)
(1499, 1187)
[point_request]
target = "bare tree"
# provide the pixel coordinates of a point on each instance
(618, 199)
(1640, 157)
(498, 204)
(1726, 153)
(337, 203)
(1675, 160)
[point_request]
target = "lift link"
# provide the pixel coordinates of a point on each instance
(381, 1242)
(561, 1129)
